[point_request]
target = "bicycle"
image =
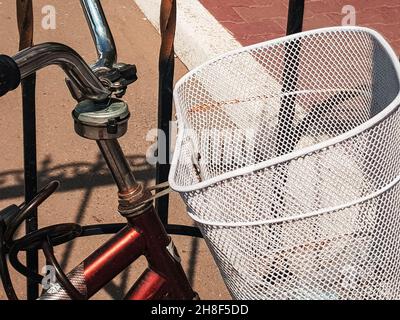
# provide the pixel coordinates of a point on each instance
(295, 199)
(100, 116)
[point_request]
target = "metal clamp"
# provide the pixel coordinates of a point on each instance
(142, 206)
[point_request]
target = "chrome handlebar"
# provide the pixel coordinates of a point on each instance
(101, 34)
(97, 82)
(79, 73)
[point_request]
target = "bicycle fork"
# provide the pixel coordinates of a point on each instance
(144, 235)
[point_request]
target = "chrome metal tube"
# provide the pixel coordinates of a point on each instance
(101, 34)
(118, 165)
(79, 73)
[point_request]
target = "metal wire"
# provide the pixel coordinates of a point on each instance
(299, 193)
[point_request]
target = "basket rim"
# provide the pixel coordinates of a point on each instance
(322, 211)
(387, 111)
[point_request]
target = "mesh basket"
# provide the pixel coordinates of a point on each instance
(288, 160)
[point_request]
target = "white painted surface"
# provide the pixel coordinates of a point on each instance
(199, 36)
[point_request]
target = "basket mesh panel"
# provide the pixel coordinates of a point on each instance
(274, 99)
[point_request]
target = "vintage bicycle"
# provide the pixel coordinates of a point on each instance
(100, 116)
(287, 159)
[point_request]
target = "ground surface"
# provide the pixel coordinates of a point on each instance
(87, 195)
(252, 21)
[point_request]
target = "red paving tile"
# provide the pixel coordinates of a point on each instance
(259, 13)
(252, 21)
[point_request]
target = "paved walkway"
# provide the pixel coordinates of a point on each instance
(252, 21)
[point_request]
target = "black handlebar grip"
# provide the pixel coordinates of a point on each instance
(10, 76)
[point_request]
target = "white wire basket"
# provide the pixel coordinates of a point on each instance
(288, 160)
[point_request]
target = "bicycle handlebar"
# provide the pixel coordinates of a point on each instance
(10, 76)
(32, 59)
(101, 34)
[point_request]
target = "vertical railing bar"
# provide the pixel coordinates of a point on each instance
(285, 129)
(25, 27)
(290, 77)
(295, 17)
(166, 77)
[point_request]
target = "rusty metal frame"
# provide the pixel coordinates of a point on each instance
(165, 90)
(25, 28)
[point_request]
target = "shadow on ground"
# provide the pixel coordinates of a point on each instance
(86, 176)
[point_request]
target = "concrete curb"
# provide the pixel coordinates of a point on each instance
(199, 36)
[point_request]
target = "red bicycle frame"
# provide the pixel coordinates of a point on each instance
(145, 235)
